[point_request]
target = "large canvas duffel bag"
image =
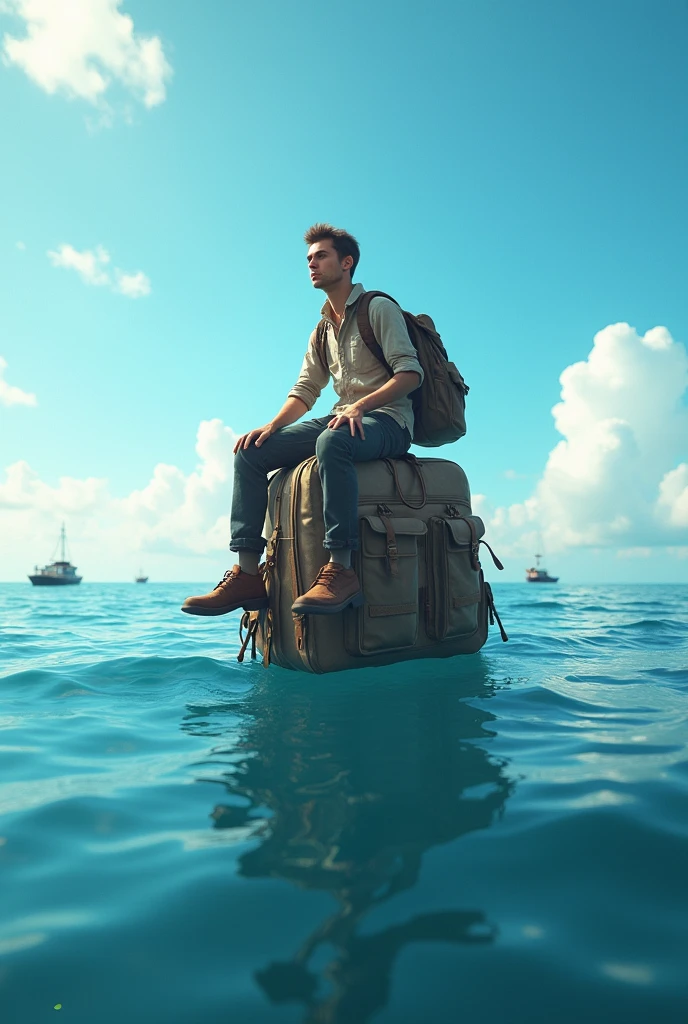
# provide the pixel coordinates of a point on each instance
(423, 586)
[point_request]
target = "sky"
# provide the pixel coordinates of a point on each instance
(518, 171)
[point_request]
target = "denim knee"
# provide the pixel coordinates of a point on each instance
(332, 444)
(247, 458)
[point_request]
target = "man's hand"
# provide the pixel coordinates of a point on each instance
(256, 437)
(353, 415)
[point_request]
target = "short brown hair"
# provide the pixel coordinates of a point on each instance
(344, 243)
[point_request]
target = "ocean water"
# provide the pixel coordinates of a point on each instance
(496, 838)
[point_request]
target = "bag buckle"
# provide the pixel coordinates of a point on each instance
(384, 510)
(453, 511)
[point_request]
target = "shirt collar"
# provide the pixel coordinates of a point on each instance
(354, 295)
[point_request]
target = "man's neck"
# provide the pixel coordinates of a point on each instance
(337, 297)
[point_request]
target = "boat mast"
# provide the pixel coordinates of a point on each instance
(63, 540)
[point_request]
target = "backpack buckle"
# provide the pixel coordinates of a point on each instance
(453, 511)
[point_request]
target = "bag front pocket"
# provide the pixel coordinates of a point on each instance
(453, 577)
(387, 566)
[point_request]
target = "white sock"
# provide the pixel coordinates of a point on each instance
(249, 562)
(342, 556)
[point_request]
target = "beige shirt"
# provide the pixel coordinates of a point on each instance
(355, 371)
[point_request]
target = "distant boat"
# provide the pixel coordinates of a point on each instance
(538, 575)
(57, 573)
(141, 578)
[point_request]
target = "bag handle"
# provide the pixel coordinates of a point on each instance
(393, 470)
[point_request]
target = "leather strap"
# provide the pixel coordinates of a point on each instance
(299, 619)
(320, 340)
(392, 550)
(413, 461)
(493, 612)
(475, 543)
(494, 557)
(365, 328)
(251, 626)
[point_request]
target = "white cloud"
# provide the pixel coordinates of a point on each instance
(134, 285)
(615, 480)
(82, 47)
(92, 265)
(89, 264)
(174, 514)
(673, 495)
(11, 395)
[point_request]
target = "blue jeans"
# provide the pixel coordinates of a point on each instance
(336, 451)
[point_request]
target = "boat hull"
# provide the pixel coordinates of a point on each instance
(544, 579)
(55, 581)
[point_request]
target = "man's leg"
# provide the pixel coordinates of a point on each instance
(287, 447)
(337, 586)
(241, 586)
(337, 452)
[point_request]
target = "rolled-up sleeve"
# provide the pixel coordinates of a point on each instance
(389, 326)
(312, 378)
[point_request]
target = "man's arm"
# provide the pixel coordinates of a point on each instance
(302, 397)
(292, 410)
(398, 386)
(392, 336)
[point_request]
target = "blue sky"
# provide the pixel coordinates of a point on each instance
(516, 170)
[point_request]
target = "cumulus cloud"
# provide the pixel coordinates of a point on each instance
(134, 285)
(174, 513)
(83, 47)
(92, 266)
(616, 479)
(673, 496)
(11, 395)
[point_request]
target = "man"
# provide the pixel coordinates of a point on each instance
(373, 419)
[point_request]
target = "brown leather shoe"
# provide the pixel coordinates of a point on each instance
(236, 589)
(333, 590)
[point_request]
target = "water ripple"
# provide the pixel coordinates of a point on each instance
(185, 838)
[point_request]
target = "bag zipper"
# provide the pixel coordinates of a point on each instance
(300, 621)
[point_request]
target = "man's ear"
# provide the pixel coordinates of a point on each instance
(347, 263)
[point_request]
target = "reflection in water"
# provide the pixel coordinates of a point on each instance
(345, 783)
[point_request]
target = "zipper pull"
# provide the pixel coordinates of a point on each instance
(494, 557)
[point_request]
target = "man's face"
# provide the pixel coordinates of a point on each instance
(325, 266)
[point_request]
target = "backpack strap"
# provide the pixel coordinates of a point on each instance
(365, 328)
(320, 339)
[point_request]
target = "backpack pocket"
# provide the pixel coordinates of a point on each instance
(387, 566)
(454, 586)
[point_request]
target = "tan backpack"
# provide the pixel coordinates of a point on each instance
(439, 404)
(418, 562)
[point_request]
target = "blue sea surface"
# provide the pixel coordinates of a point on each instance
(495, 838)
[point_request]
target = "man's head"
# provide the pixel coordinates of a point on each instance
(333, 255)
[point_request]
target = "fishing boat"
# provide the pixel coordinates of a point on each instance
(141, 578)
(58, 573)
(538, 575)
